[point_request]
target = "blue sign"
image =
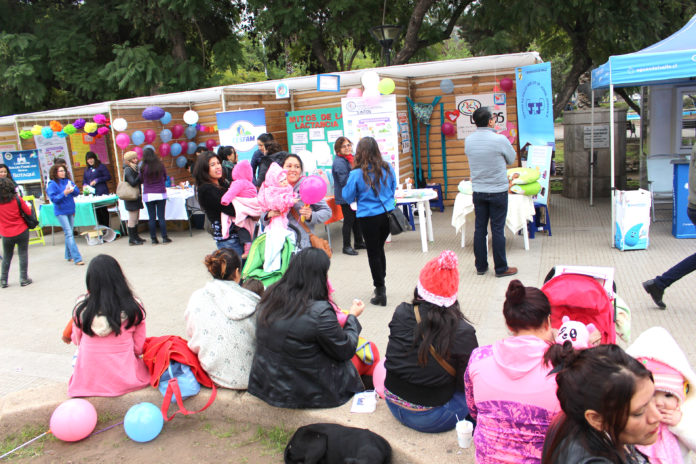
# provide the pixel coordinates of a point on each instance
(535, 105)
(240, 130)
(24, 165)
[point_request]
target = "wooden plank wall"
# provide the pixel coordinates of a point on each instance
(8, 135)
(423, 91)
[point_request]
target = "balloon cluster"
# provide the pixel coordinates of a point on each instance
(373, 87)
(98, 127)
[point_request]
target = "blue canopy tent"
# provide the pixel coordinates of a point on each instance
(669, 61)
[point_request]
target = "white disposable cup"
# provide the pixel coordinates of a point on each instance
(465, 433)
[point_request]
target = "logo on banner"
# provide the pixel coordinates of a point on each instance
(243, 137)
(535, 100)
(8, 156)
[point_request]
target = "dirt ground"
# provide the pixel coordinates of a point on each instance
(192, 439)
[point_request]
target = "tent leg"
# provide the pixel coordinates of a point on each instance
(611, 160)
(592, 160)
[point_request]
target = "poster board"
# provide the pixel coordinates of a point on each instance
(378, 121)
(539, 157)
(315, 131)
(467, 104)
(23, 165)
(240, 128)
(49, 149)
(535, 105)
(80, 149)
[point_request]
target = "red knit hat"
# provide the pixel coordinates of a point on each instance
(439, 280)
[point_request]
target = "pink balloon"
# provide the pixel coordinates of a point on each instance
(177, 131)
(312, 190)
(354, 93)
(165, 150)
(73, 420)
(139, 151)
(122, 140)
(150, 136)
(184, 146)
(210, 143)
(506, 84)
(203, 128)
(448, 128)
(378, 375)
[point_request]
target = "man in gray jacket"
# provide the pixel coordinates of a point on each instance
(489, 154)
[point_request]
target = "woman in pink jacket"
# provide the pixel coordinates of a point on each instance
(109, 329)
(508, 388)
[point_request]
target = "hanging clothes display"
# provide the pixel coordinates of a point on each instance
(423, 113)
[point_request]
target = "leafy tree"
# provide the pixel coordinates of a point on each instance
(581, 33)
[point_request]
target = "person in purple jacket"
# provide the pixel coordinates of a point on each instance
(153, 174)
(96, 176)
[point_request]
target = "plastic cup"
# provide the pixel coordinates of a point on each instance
(465, 433)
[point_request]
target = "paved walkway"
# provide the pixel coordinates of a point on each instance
(165, 275)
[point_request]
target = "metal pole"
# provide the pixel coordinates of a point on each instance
(113, 141)
(592, 160)
(611, 152)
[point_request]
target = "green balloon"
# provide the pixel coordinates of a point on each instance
(386, 86)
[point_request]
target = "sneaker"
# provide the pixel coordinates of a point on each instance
(154, 241)
(166, 240)
(510, 272)
(3, 284)
(25, 282)
(655, 292)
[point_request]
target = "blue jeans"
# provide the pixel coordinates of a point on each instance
(233, 243)
(680, 269)
(435, 420)
(490, 207)
(67, 222)
(155, 209)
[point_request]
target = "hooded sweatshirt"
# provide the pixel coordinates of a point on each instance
(513, 399)
(221, 327)
(242, 185)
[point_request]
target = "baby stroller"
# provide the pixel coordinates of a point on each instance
(253, 267)
(582, 298)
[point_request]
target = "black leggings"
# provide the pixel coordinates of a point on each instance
(8, 244)
(375, 230)
(350, 224)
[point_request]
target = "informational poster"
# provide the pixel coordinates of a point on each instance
(535, 105)
(240, 130)
(405, 134)
(467, 104)
(24, 165)
(50, 149)
(314, 131)
(378, 121)
(80, 149)
(539, 157)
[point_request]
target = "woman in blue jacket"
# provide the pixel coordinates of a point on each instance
(372, 184)
(61, 190)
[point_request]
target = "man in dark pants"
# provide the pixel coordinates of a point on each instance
(656, 287)
(489, 154)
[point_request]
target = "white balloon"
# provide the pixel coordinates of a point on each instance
(190, 117)
(370, 80)
(120, 124)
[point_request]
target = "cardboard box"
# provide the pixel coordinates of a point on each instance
(632, 225)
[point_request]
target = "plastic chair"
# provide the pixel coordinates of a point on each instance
(537, 223)
(37, 230)
(437, 202)
(660, 179)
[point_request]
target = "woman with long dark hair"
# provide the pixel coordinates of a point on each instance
(430, 342)
(608, 406)
(62, 192)
(342, 165)
(14, 231)
(303, 356)
(7, 174)
(260, 153)
(211, 185)
(154, 176)
(109, 329)
(372, 184)
(509, 390)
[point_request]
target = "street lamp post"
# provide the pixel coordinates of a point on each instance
(386, 35)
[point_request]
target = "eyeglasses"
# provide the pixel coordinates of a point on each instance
(346, 145)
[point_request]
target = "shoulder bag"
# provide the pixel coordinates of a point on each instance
(30, 219)
(316, 242)
(126, 191)
(444, 364)
(397, 220)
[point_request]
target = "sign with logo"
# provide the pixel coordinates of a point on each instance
(240, 130)
(24, 165)
(315, 131)
(535, 105)
(467, 104)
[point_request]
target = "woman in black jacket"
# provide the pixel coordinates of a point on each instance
(303, 355)
(130, 175)
(342, 165)
(429, 346)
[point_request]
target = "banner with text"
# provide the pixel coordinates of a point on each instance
(535, 105)
(23, 164)
(240, 129)
(314, 131)
(539, 157)
(467, 104)
(50, 149)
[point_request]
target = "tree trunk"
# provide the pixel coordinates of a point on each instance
(318, 52)
(581, 64)
(627, 99)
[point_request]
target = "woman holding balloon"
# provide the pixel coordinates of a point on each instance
(310, 208)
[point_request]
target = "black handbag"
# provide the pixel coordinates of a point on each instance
(397, 220)
(30, 219)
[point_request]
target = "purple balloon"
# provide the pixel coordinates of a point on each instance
(153, 112)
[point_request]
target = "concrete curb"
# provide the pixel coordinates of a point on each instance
(35, 406)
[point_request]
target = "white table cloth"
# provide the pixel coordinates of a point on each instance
(175, 210)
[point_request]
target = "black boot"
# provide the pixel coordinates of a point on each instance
(138, 238)
(133, 238)
(380, 297)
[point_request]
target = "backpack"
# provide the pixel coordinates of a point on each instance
(266, 162)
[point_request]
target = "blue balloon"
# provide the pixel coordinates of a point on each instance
(190, 132)
(166, 135)
(202, 144)
(143, 422)
(447, 86)
(138, 138)
(191, 149)
(167, 118)
(152, 147)
(176, 149)
(181, 160)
